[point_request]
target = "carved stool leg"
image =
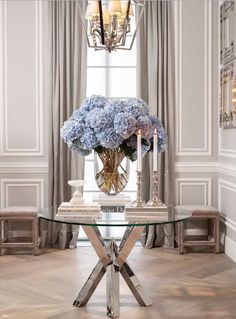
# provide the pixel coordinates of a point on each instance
(35, 235)
(181, 237)
(1, 236)
(217, 234)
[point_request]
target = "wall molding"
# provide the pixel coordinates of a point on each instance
(206, 183)
(205, 167)
(28, 168)
(225, 152)
(206, 150)
(5, 150)
(227, 169)
(37, 183)
(231, 224)
(196, 167)
(222, 183)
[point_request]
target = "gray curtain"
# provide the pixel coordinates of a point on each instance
(67, 55)
(155, 85)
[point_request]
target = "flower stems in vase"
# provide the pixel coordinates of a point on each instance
(112, 177)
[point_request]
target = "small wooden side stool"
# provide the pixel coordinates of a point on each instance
(198, 213)
(18, 214)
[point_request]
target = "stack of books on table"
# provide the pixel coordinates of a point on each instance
(147, 213)
(117, 200)
(86, 211)
(112, 204)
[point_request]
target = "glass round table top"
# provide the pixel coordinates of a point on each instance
(116, 219)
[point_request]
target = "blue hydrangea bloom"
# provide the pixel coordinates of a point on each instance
(115, 106)
(92, 116)
(76, 146)
(99, 120)
(137, 107)
(93, 101)
(145, 124)
(109, 138)
(89, 139)
(112, 123)
(80, 116)
(125, 124)
(71, 130)
(156, 124)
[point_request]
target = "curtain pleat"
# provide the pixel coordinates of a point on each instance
(155, 85)
(67, 71)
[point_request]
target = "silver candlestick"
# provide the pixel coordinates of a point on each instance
(155, 202)
(139, 202)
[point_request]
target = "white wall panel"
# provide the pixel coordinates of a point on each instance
(227, 143)
(22, 192)
(227, 198)
(21, 73)
(23, 130)
(193, 191)
(193, 78)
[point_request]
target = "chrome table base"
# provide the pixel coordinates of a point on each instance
(112, 261)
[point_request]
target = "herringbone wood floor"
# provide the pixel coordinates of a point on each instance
(194, 285)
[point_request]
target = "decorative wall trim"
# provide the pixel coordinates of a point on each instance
(230, 248)
(29, 168)
(196, 167)
(22, 182)
(206, 183)
(205, 167)
(225, 152)
(226, 185)
(230, 245)
(5, 150)
(227, 169)
(206, 150)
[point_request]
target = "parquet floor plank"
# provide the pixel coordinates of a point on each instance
(189, 286)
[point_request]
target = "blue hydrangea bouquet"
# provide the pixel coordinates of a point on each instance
(109, 127)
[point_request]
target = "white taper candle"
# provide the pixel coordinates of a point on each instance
(139, 151)
(155, 150)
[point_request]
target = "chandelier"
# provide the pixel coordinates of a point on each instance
(108, 24)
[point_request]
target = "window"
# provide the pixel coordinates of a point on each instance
(112, 75)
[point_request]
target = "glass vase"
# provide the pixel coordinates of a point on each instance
(111, 168)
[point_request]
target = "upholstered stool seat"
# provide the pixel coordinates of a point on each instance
(18, 214)
(199, 213)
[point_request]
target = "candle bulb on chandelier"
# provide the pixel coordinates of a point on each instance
(155, 139)
(139, 151)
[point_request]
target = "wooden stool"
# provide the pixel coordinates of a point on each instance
(199, 213)
(18, 214)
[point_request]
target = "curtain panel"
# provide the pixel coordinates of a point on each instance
(67, 65)
(155, 85)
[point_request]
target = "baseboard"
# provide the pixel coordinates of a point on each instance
(230, 248)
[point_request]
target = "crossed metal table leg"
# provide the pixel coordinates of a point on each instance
(112, 261)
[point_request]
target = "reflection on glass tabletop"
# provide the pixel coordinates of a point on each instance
(118, 219)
